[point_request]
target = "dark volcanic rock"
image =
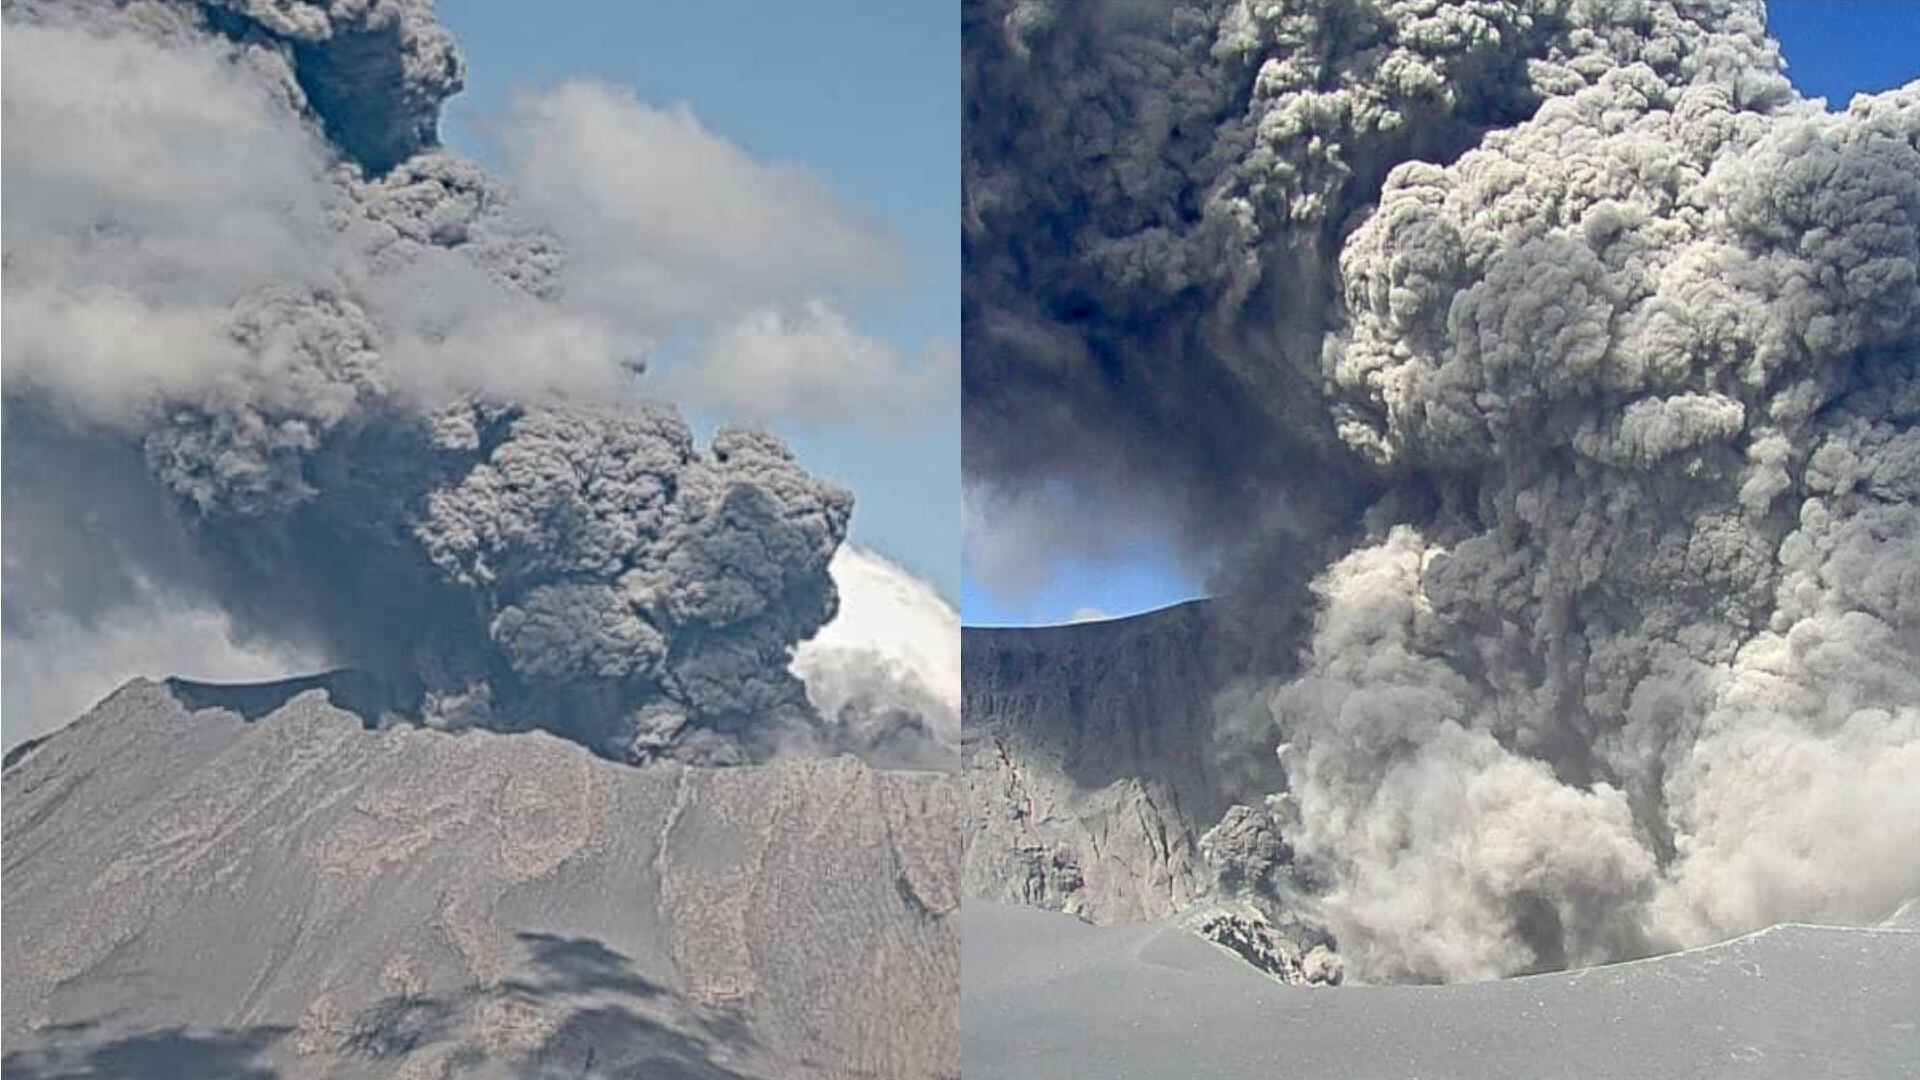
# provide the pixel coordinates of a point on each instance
(1096, 754)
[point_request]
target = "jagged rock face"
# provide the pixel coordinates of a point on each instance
(1247, 934)
(192, 893)
(1088, 759)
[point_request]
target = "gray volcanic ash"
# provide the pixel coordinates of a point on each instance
(1544, 376)
(273, 355)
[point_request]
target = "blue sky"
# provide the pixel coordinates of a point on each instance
(1834, 48)
(1143, 576)
(866, 95)
(1838, 48)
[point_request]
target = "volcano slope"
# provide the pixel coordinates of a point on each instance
(271, 881)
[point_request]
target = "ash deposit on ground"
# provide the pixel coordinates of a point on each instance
(1127, 1001)
(290, 387)
(1540, 379)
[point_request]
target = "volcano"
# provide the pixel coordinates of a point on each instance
(283, 880)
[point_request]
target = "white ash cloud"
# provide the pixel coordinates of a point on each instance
(668, 225)
(885, 673)
(278, 363)
(139, 207)
(1590, 354)
(661, 215)
(808, 363)
(145, 208)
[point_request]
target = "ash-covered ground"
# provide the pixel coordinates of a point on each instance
(1046, 996)
(1113, 923)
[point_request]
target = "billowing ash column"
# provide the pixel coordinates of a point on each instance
(1563, 367)
(269, 349)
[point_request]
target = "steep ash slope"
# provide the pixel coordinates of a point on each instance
(189, 892)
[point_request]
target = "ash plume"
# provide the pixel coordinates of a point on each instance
(276, 360)
(1583, 358)
(885, 674)
(1155, 201)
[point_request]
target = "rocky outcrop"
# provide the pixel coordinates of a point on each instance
(1246, 932)
(1095, 756)
(200, 893)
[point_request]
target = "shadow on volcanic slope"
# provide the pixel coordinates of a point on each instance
(617, 1023)
(68, 1053)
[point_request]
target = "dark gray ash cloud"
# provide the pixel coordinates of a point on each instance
(277, 362)
(1579, 359)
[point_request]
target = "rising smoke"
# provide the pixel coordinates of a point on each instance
(275, 360)
(885, 673)
(1578, 360)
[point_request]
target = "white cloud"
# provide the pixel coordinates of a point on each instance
(671, 228)
(63, 667)
(667, 220)
(139, 207)
(884, 607)
(450, 328)
(808, 363)
(143, 210)
(895, 644)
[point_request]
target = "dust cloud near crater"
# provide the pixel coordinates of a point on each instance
(1543, 379)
